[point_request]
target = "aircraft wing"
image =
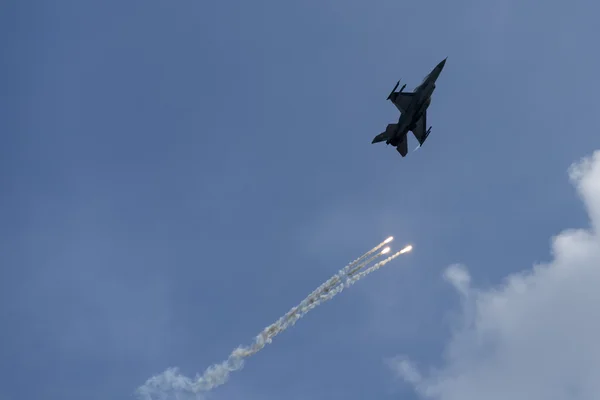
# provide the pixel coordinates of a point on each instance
(402, 100)
(420, 128)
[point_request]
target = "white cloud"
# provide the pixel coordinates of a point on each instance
(404, 368)
(536, 336)
(459, 277)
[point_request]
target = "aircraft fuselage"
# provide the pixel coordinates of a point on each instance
(419, 105)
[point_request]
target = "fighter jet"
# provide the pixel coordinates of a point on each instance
(413, 112)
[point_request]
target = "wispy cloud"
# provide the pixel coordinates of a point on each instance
(536, 336)
(458, 276)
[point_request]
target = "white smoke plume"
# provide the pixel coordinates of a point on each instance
(172, 382)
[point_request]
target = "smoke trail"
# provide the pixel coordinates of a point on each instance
(335, 278)
(171, 381)
(360, 266)
(354, 279)
(316, 298)
(326, 286)
(350, 280)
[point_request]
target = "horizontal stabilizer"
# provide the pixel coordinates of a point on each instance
(389, 132)
(379, 138)
(402, 147)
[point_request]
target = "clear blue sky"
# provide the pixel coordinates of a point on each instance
(176, 175)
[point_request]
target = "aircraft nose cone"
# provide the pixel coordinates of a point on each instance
(442, 63)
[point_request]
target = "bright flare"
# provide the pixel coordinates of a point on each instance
(385, 251)
(386, 241)
(406, 249)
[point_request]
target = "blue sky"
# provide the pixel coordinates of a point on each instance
(175, 176)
